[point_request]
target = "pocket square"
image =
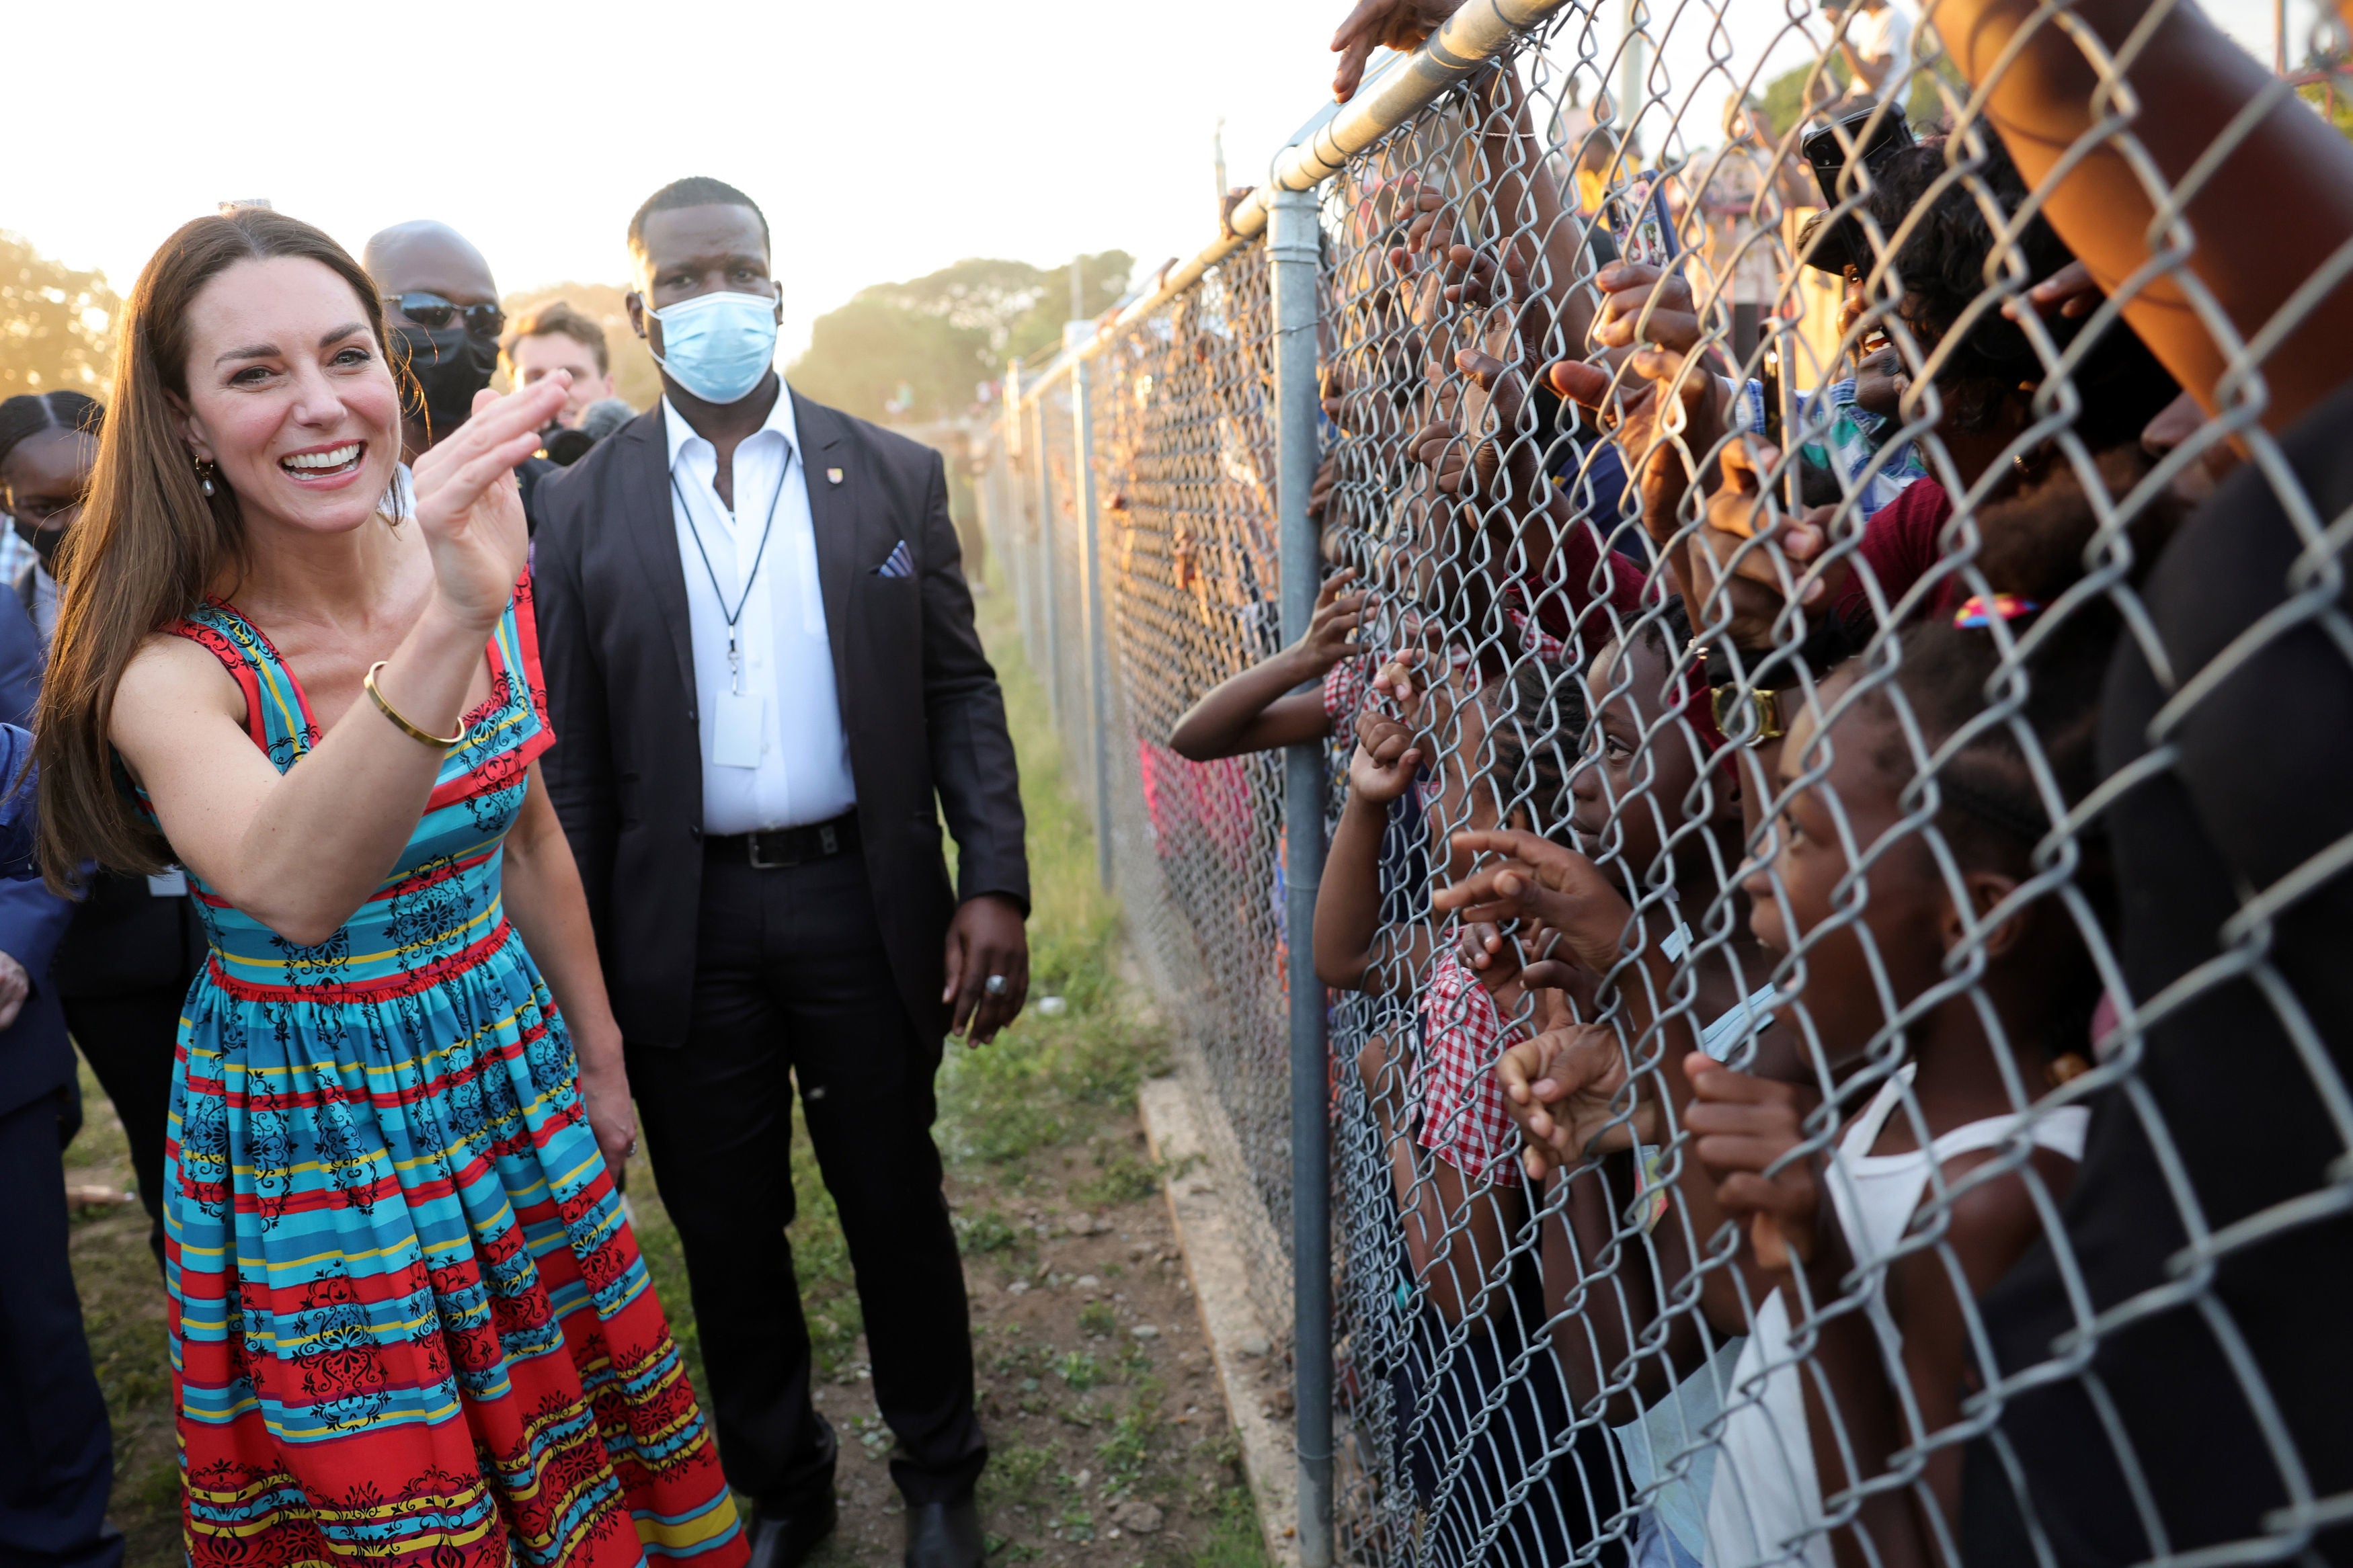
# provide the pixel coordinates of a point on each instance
(900, 562)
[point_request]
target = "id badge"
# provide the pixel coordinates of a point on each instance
(169, 883)
(736, 735)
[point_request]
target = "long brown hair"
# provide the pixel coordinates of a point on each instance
(150, 544)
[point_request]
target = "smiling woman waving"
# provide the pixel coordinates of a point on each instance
(407, 1314)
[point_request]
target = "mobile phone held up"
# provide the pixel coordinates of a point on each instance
(1869, 137)
(1636, 212)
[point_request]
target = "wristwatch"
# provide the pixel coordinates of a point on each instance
(1739, 707)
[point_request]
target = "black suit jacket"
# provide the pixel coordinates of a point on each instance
(36, 1056)
(924, 716)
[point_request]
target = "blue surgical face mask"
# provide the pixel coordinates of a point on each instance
(719, 346)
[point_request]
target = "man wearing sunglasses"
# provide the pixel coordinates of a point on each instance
(441, 308)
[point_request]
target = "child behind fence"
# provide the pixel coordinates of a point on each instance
(1994, 992)
(1482, 1412)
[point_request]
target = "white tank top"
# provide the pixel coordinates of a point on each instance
(1765, 1505)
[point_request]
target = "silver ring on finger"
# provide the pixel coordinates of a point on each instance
(996, 985)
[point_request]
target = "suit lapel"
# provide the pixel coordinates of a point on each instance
(833, 518)
(653, 529)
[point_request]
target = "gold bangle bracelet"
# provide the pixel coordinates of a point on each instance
(442, 743)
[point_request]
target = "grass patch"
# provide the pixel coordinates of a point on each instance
(1046, 1081)
(1098, 1319)
(1234, 1539)
(1128, 1447)
(1121, 1178)
(1080, 1370)
(985, 1231)
(1016, 1474)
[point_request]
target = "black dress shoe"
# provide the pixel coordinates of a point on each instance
(944, 1535)
(784, 1538)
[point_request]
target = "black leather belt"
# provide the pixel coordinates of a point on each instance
(774, 849)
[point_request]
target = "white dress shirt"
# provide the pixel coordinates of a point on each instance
(46, 599)
(785, 664)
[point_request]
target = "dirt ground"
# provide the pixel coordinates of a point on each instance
(1108, 1438)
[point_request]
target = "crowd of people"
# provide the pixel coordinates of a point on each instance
(1833, 904)
(381, 1028)
(1785, 896)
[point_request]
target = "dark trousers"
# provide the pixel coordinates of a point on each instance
(791, 986)
(128, 1040)
(56, 1452)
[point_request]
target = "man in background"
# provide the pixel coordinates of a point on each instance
(1876, 44)
(441, 307)
(558, 337)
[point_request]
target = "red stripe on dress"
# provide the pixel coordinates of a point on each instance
(404, 983)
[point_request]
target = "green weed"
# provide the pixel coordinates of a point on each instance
(1015, 1475)
(1235, 1540)
(1124, 1179)
(1080, 1370)
(985, 1231)
(1128, 1447)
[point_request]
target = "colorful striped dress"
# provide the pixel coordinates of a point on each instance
(408, 1320)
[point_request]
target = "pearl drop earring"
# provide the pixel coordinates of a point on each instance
(204, 479)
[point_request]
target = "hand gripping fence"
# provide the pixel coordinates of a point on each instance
(1711, 658)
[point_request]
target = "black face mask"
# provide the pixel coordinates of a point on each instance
(449, 367)
(44, 540)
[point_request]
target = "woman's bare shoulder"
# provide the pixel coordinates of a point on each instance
(171, 674)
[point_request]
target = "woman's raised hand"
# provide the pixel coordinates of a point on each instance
(468, 503)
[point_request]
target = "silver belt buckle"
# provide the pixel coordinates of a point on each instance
(751, 847)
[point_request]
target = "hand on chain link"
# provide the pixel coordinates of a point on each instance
(1332, 630)
(1535, 880)
(1383, 765)
(2069, 293)
(1530, 953)
(1375, 24)
(1561, 1088)
(1748, 556)
(1654, 394)
(1741, 1126)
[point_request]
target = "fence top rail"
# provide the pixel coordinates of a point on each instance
(1406, 86)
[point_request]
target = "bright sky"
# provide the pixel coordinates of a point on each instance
(884, 139)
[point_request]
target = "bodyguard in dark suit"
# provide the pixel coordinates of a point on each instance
(56, 1454)
(768, 692)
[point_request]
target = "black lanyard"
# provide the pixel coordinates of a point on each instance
(734, 659)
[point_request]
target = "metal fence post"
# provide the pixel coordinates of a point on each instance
(1007, 488)
(1048, 620)
(1293, 254)
(1083, 478)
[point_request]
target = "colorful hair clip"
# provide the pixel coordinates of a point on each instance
(1977, 610)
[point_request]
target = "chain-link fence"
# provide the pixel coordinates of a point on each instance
(1828, 700)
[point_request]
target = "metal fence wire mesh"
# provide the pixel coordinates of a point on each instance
(1838, 700)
